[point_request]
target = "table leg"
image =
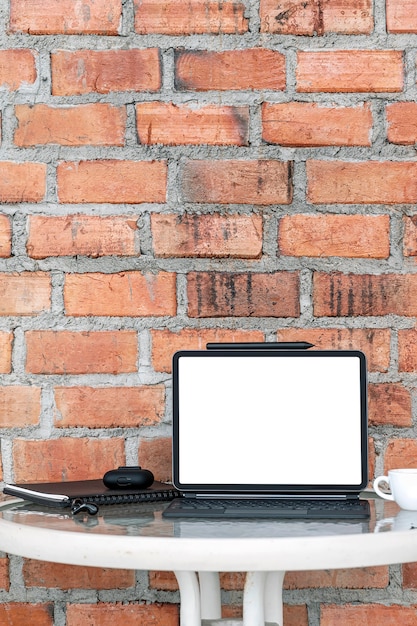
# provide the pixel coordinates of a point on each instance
(273, 598)
(210, 597)
(253, 599)
(190, 606)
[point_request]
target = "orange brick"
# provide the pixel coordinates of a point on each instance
(212, 236)
(112, 181)
(156, 454)
(310, 124)
(356, 578)
(389, 403)
(187, 17)
(400, 453)
(295, 615)
(364, 236)
(124, 294)
(4, 573)
(17, 68)
(402, 128)
(83, 235)
(374, 342)
(5, 237)
(22, 182)
(215, 294)
(410, 236)
(6, 340)
(351, 17)
(94, 17)
(107, 614)
(171, 124)
(350, 71)
(409, 575)
(407, 350)
(15, 613)
(19, 406)
(41, 574)
(337, 294)
(401, 16)
(69, 458)
(256, 68)
(88, 124)
(105, 71)
(71, 352)
(364, 615)
(28, 293)
(109, 407)
(163, 580)
(241, 182)
(368, 182)
(166, 342)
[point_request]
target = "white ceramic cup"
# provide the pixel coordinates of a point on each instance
(403, 486)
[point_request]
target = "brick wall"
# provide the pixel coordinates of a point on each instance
(175, 172)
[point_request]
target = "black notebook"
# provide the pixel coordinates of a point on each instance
(64, 494)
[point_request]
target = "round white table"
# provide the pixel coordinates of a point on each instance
(138, 537)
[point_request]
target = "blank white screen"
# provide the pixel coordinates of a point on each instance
(269, 420)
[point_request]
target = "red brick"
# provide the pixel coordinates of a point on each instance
(125, 294)
(350, 71)
(5, 237)
(407, 350)
(88, 124)
(19, 406)
(172, 124)
(107, 614)
(166, 342)
(410, 236)
(17, 68)
(310, 124)
(337, 294)
(356, 578)
(41, 574)
(82, 235)
(71, 352)
(374, 342)
(215, 294)
(28, 293)
(256, 68)
(368, 182)
(364, 236)
(22, 182)
(112, 181)
(352, 17)
(109, 407)
(105, 71)
(68, 458)
(4, 573)
(95, 17)
(400, 453)
(401, 16)
(6, 340)
(402, 127)
(156, 454)
(389, 403)
(241, 182)
(16, 614)
(295, 615)
(187, 17)
(409, 575)
(212, 236)
(368, 615)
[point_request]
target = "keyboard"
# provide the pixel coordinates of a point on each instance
(272, 508)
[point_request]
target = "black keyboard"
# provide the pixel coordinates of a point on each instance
(274, 508)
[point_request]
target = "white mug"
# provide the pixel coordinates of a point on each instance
(403, 486)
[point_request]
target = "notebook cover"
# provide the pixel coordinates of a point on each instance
(89, 491)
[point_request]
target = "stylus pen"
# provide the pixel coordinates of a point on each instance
(274, 345)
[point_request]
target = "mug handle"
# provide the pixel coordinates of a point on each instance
(382, 494)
